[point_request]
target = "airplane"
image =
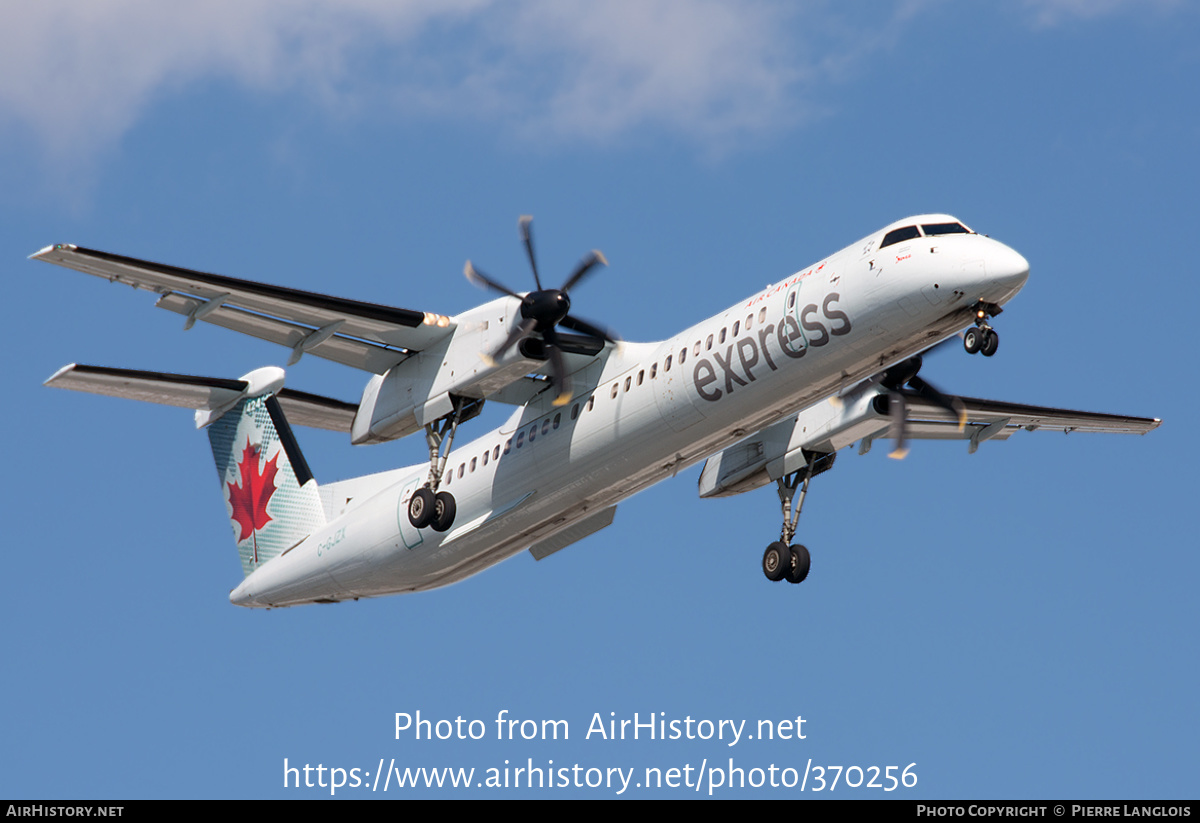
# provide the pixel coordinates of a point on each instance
(766, 392)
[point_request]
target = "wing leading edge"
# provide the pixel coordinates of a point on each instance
(367, 336)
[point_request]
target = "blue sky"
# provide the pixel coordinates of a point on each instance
(1018, 623)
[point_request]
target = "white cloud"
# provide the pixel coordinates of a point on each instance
(78, 75)
(1057, 12)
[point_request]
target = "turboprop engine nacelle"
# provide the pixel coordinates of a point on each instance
(418, 390)
(787, 446)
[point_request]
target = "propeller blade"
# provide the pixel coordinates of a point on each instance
(926, 391)
(523, 330)
(583, 326)
(585, 266)
(558, 369)
(480, 279)
(898, 412)
(524, 223)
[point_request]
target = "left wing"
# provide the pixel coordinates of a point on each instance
(366, 336)
(821, 430)
(998, 420)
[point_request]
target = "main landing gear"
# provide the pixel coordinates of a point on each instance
(428, 506)
(982, 338)
(781, 560)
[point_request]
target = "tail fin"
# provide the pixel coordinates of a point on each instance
(269, 491)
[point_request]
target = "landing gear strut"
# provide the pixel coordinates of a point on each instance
(781, 560)
(982, 338)
(428, 506)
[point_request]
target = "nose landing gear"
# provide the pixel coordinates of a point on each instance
(982, 338)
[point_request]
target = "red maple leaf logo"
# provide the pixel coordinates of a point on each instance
(249, 498)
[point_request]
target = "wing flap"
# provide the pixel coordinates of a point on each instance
(982, 413)
(359, 354)
(212, 296)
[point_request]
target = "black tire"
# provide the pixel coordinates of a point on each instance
(444, 510)
(776, 560)
(973, 340)
(991, 342)
(801, 562)
(421, 507)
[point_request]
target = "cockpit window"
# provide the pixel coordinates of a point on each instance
(899, 235)
(932, 229)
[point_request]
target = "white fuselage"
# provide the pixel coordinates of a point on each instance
(643, 411)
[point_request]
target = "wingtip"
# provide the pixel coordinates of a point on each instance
(58, 374)
(40, 253)
(562, 400)
(898, 454)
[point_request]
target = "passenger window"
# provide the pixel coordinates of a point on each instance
(496, 452)
(736, 326)
(628, 382)
(792, 300)
(722, 340)
(473, 464)
(899, 236)
(749, 321)
(546, 426)
(653, 370)
(696, 349)
(708, 345)
(532, 432)
(485, 457)
(641, 374)
(591, 403)
(682, 356)
(574, 411)
(558, 418)
(667, 364)
(520, 438)
(614, 391)
(762, 315)
(461, 467)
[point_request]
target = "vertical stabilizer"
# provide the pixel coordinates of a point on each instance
(269, 492)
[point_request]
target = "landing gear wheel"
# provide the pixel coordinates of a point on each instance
(991, 342)
(776, 561)
(421, 507)
(444, 510)
(800, 563)
(973, 340)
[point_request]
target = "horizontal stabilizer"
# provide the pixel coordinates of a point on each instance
(203, 394)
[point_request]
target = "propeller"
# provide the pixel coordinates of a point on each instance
(902, 381)
(543, 311)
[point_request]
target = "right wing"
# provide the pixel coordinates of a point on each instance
(366, 336)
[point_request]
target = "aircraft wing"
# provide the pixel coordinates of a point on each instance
(186, 391)
(366, 336)
(998, 420)
(825, 428)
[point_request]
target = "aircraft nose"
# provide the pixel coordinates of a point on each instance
(1007, 267)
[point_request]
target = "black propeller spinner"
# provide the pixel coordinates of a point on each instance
(895, 381)
(543, 311)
